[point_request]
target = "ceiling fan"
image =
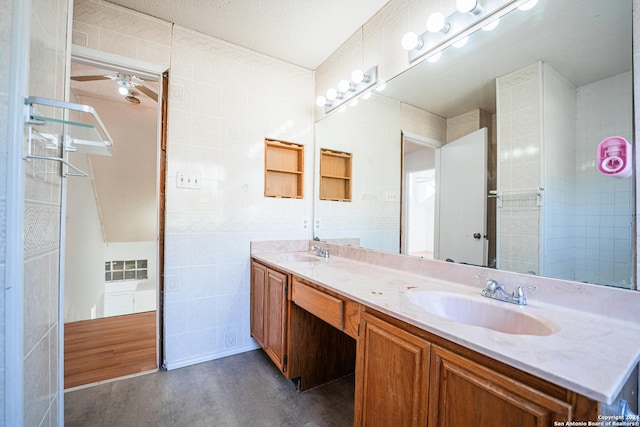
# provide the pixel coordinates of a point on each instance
(125, 82)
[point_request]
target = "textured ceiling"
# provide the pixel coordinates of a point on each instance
(302, 32)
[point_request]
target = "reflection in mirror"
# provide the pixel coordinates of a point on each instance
(548, 85)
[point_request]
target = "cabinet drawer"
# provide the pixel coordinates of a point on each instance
(326, 307)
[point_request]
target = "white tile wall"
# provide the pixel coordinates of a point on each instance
(518, 124)
(242, 97)
(586, 218)
(604, 206)
(47, 78)
(369, 131)
(5, 52)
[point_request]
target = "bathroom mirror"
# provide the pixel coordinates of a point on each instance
(578, 229)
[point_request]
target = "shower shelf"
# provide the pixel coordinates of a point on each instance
(81, 131)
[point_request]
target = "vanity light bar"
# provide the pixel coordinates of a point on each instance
(349, 90)
(463, 24)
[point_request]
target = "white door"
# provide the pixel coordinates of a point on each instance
(461, 199)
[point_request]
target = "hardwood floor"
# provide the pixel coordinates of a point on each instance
(111, 347)
(242, 390)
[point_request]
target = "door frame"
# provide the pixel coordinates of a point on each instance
(100, 59)
(416, 139)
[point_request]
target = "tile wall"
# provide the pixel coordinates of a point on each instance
(585, 218)
(604, 205)
(370, 131)
(558, 245)
(5, 52)
(519, 169)
(223, 102)
(47, 78)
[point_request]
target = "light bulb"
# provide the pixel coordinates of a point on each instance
(460, 43)
(344, 86)
(528, 5)
(381, 86)
(332, 94)
(465, 6)
(321, 101)
(357, 76)
(435, 57)
(123, 90)
(435, 22)
(491, 25)
(411, 41)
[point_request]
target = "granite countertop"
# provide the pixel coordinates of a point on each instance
(585, 352)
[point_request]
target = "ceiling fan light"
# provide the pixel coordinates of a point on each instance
(123, 90)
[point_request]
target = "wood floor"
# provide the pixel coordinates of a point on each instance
(101, 349)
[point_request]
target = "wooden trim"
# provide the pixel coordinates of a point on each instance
(111, 347)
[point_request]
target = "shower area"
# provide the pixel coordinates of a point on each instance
(558, 214)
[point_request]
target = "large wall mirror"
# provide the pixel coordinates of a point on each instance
(541, 92)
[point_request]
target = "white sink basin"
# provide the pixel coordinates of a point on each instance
(475, 311)
(298, 257)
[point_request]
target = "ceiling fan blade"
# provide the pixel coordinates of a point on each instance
(90, 78)
(151, 94)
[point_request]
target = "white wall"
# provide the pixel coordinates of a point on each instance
(371, 133)
(559, 178)
(85, 252)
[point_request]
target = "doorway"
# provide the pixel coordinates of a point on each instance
(444, 201)
(418, 203)
(114, 238)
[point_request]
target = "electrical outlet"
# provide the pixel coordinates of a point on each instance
(391, 196)
(317, 224)
(184, 180)
(230, 339)
(305, 223)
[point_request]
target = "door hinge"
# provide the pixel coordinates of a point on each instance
(284, 363)
(286, 290)
(358, 329)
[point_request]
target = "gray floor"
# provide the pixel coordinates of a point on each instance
(241, 390)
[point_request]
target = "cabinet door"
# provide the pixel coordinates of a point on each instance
(276, 317)
(392, 371)
(258, 295)
(464, 393)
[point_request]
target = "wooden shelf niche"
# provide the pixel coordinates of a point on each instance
(335, 175)
(283, 169)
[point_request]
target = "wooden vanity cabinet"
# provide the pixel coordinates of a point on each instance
(269, 309)
(306, 348)
(402, 371)
(463, 392)
(392, 370)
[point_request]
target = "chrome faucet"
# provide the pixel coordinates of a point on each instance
(323, 252)
(494, 290)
